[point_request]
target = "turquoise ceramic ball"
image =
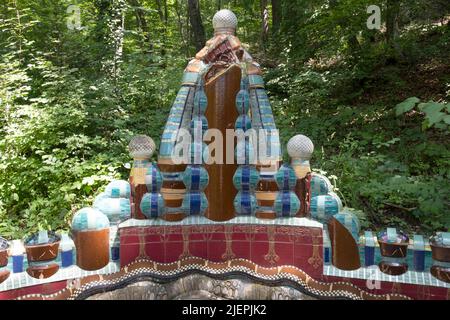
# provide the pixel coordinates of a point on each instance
(195, 203)
(152, 205)
(245, 204)
(116, 209)
(320, 185)
(246, 178)
(89, 219)
(350, 221)
(118, 189)
(199, 153)
(153, 178)
(324, 207)
(243, 122)
(100, 197)
(286, 178)
(287, 204)
(201, 101)
(243, 102)
(199, 122)
(196, 178)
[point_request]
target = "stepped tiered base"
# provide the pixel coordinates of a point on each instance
(292, 242)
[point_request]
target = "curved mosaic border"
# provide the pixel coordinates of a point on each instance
(140, 270)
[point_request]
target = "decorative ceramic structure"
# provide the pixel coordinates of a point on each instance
(42, 251)
(287, 203)
(225, 21)
(320, 185)
(118, 189)
(349, 221)
(300, 149)
(324, 207)
(440, 247)
(4, 272)
(90, 230)
(152, 203)
(195, 179)
(394, 249)
(116, 209)
(141, 149)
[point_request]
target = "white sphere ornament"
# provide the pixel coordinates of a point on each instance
(300, 147)
(225, 20)
(142, 147)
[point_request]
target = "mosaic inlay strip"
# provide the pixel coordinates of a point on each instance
(374, 274)
(84, 287)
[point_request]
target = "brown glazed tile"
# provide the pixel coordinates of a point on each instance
(43, 272)
(92, 249)
(3, 258)
(42, 252)
(4, 274)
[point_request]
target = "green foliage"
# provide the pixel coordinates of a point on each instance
(70, 100)
(436, 114)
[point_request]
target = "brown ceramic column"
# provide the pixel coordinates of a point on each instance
(221, 113)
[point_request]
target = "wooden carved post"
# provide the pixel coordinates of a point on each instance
(300, 149)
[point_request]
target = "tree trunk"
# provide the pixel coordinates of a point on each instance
(264, 23)
(277, 15)
(142, 24)
(392, 16)
(392, 28)
(197, 24)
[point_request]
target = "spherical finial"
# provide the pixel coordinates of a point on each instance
(300, 147)
(225, 21)
(142, 147)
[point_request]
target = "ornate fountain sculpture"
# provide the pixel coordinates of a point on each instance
(244, 213)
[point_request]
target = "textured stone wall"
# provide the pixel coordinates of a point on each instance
(198, 287)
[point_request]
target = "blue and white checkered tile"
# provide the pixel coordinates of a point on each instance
(320, 185)
(152, 205)
(89, 219)
(350, 221)
(287, 204)
(99, 198)
(243, 123)
(116, 209)
(118, 189)
(246, 178)
(243, 101)
(324, 207)
(338, 199)
(196, 178)
(195, 203)
(286, 178)
(153, 178)
(245, 204)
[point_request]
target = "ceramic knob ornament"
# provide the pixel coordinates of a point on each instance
(152, 203)
(225, 21)
(245, 181)
(141, 149)
(90, 230)
(300, 148)
(287, 203)
(324, 207)
(320, 185)
(118, 189)
(196, 180)
(116, 209)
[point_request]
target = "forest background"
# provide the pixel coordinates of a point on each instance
(367, 80)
